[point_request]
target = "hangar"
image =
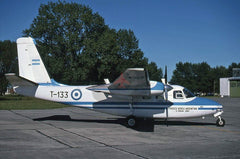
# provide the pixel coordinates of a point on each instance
(230, 86)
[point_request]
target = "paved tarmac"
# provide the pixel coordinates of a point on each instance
(78, 133)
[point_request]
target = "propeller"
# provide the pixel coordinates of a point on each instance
(166, 89)
(166, 86)
(165, 76)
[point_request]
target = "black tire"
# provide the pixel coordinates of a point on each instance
(131, 121)
(220, 123)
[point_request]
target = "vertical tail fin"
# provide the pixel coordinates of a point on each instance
(30, 64)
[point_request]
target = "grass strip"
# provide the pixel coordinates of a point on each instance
(18, 102)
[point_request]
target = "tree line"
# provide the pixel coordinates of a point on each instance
(8, 62)
(77, 47)
(201, 77)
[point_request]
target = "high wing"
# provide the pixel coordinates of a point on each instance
(132, 78)
(133, 82)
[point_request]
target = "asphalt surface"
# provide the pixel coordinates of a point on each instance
(79, 133)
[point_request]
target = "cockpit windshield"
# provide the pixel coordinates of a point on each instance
(188, 94)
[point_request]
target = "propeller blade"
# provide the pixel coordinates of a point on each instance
(166, 93)
(165, 85)
(168, 87)
(165, 75)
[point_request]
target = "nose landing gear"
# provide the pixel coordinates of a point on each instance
(220, 121)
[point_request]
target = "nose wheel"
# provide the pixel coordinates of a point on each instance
(220, 121)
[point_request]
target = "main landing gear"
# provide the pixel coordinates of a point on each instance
(220, 121)
(131, 121)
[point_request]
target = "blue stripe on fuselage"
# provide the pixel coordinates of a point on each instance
(148, 105)
(53, 83)
(116, 105)
(194, 102)
(198, 101)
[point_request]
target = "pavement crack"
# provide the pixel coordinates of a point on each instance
(20, 114)
(101, 143)
(52, 138)
(128, 152)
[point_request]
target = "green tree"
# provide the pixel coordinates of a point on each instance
(196, 77)
(78, 48)
(8, 62)
(183, 75)
(230, 68)
(63, 31)
(201, 77)
(155, 73)
(217, 73)
(204, 80)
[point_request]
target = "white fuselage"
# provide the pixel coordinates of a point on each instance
(132, 94)
(139, 106)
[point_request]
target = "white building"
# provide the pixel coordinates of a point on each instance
(230, 87)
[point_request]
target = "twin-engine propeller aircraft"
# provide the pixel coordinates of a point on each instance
(131, 95)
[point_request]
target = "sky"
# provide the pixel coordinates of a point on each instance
(169, 31)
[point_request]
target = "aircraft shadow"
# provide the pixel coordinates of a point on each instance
(143, 125)
(182, 123)
(68, 118)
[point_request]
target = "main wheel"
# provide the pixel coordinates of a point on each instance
(220, 122)
(131, 121)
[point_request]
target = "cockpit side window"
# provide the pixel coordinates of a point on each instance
(177, 94)
(188, 94)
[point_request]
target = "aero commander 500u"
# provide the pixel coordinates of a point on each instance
(131, 95)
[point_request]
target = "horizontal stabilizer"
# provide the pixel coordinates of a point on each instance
(18, 81)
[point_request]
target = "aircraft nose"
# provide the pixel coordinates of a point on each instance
(213, 105)
(205, 101)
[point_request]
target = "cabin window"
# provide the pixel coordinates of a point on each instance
(177, 94)
(188, 94)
